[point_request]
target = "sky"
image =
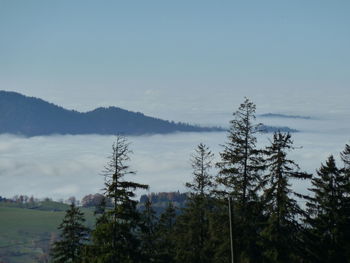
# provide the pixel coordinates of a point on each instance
(181, 60)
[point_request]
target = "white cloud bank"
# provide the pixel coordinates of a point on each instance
(62, 166)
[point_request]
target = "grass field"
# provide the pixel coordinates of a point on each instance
(25, 234)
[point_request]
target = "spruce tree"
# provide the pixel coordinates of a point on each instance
(219, 229)
(165, 232)
(241, 160)
(72, 238)
(203, 181)
(192, 226)
(240, 175)
(329, 213)
(99, 249)
(148, 235)
(281, 234)
(116, 237)
(345, 156)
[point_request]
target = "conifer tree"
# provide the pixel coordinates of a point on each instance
(240, 174)
(148, 233)
(72, 238)
(116, 236)
(329, 213)
(219, 229)
(165, 235)
(192, 226)
(241, 160)
(345, 156)
(99, 249)
(280, 235)
(202, 162)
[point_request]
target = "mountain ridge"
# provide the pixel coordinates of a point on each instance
(31, 116)
(285, 116)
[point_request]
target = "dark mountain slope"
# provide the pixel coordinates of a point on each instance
(284, 116)
(30, 116)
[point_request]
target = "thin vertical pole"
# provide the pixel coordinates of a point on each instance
(231, 229)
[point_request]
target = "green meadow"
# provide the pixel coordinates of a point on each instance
(26, 234)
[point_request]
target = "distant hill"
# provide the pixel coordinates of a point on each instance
(29, 116)
(284, 116)
(271, 129)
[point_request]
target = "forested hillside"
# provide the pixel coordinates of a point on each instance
(30, 116)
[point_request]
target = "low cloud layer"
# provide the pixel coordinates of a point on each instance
(63, 166)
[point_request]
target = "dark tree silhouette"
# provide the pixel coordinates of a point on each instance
(72, 238)
(192, 227)
(280, 239)
(240, 175)
(116, 237)
(166, 235)
(148, 235)
(329, 213)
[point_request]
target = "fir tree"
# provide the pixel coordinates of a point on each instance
(280, 235)
(241, 160)
(345, 156)
(72, 239)
(99, 250)
(240, 175)
(329, 213)
(219, 229)
(148, 233)
(202, 162)
(165, 235)
(192, 226)
(116, 237)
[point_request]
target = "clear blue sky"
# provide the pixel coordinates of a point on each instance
(176, 58)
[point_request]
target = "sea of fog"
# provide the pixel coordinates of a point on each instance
(62, 166)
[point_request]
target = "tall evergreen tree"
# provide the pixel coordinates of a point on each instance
(240, 175)
(280, 235)
(329, 213)
(72, 239)
(165, 235)
(117, 235)
(241, 160)
(148, 233)
(345, 156)
(203, 181)
(99, 249)
(192, 226)
(219, 229)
